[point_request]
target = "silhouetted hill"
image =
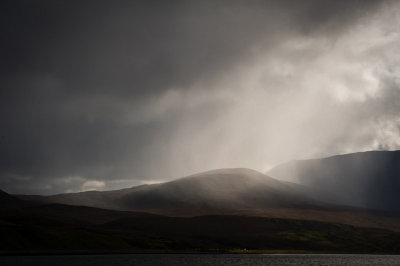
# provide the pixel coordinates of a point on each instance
(8, 201)
(367, 179)
(209, 192)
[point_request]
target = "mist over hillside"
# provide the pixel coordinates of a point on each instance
(365, 179)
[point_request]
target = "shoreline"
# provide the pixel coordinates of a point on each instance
(185, 252)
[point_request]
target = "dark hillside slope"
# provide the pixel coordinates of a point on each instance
(65, 229)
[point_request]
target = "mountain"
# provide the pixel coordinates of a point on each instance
(366, 179)
(245, 210)
(209, 192)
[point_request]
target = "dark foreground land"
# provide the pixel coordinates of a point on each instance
(57, 228)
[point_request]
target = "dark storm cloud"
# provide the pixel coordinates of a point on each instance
(95, 90)
(144, 46)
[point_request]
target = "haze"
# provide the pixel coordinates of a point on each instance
(105, 95)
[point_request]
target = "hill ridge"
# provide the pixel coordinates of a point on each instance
(210, 191)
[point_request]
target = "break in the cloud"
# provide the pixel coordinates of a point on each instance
(103, 95)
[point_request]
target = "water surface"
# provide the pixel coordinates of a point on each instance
(200, 259)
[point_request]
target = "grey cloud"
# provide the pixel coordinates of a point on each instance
(153, 89)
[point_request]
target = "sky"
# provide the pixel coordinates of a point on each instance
(111, 94)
